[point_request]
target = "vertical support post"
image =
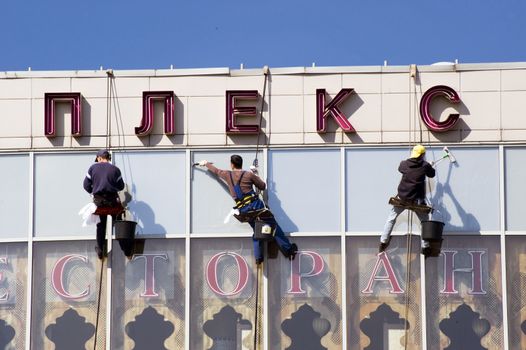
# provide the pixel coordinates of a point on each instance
(188, 213)
(502, 200)
(343, 247)
(30, 230)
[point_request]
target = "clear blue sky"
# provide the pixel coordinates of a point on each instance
(131, 34)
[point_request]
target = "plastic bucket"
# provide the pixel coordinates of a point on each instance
(432, 230)
(125, 229)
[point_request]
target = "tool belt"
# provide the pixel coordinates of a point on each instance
(411, 205)
(107, 204)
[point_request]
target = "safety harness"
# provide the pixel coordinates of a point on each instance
(245, 202)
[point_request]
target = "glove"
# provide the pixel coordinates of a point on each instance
(253, 169)
(202, 163)
(432, 164)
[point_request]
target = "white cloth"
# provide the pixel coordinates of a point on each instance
(229, 215)
(88, 218)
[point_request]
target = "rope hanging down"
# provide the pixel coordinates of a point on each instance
(265, 73)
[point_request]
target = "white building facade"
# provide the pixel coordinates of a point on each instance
(328, 141)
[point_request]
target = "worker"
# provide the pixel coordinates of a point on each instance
(241, 187)
(412, 190)
(104, 181)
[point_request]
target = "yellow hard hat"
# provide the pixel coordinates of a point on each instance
(417, 151)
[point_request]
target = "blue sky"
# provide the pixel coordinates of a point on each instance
(131, 34)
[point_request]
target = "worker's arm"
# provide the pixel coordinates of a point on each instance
(119, 181)
(260, 184)
(88, 183)
(430, 171)
(212, 168)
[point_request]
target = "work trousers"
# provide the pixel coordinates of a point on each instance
(125, 244)
(391, 220)
(279, 236)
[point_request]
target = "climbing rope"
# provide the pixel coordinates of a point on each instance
(265, 73)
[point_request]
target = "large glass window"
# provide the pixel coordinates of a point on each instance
(148, 295)
(156, 183)
(305, 296)
(211, 200)
(515, 175)
(304, 189)
(224, 287)
(13, 295)
(14, 187)
(59, 194)
(383, 294)
(68, 308)
(516, 287)
(464, 294)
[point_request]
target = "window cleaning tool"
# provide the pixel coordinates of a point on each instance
(447, 154)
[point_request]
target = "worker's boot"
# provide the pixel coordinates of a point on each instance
(383, 246)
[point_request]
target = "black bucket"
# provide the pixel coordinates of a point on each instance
(432, 230)
(125, 229)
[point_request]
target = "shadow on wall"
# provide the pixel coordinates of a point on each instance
(143, 214)
(469, 221)
(281, 216)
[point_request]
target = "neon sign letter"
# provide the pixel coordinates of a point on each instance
(425, 113)
(323, 111)
(75, 99)
(149, 272)
(148, 99)
(233, 110)
(475, 270)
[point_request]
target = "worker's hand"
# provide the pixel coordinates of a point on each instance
(433, 164)
(253, 169)
(202, 163)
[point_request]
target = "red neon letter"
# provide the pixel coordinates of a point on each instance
(57, 277)
(232, 111)
(425, 113)
(383, 260)
(75, 99)
(295, 270)
(211, 274)
(475, 270)
(5, 296)
(148, 99)
(149, 272)
(323, 111)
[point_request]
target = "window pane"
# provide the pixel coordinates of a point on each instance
(381, 301)
(515, 173)
(59, 194)
(304, 189)
(156, 182)
(13, 295)
(14, 187)
(464, 294)
(223, 294)
(148, 295)
(211, 201)
(65, 298)
(516, 287)
(305, 296)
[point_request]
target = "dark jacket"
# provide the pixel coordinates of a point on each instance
(412, 186)
(103, 178)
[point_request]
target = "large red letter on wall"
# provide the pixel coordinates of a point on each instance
(4, 296)
(57, 277)
(475, 270)
(425, 113)
(148, 99)
(233, 110)
(295, 270)
(75, 99)
(323, 111)
(212, 278)
(383, 261)
(149, 272)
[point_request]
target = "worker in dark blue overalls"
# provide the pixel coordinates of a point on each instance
(241, 186)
